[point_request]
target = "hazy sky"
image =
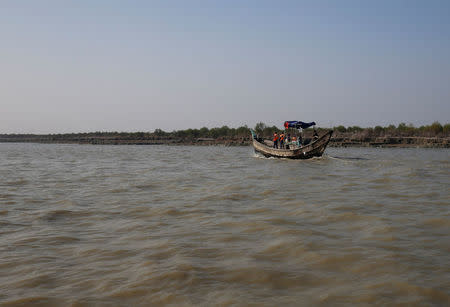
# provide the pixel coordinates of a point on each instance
(78, 66)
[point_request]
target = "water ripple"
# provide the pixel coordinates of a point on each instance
(190, 226)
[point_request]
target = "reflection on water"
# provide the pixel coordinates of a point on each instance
(140, 225)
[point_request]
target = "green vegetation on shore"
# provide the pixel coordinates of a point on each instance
(433, 130)
(434, 135)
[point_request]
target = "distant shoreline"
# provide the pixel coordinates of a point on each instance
(337, 140)
(430, 136)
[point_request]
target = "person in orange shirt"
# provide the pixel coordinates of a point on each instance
(282, 140)
(275, 140)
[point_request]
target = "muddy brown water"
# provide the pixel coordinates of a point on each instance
(189, 226)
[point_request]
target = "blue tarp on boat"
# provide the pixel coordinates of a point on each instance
(298, 124)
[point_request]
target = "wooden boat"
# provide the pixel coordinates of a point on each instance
(313, 149)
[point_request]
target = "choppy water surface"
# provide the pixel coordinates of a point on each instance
(188, 226)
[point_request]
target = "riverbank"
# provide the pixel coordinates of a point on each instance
(338, 140)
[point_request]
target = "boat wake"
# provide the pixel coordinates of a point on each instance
(346, 158)
(260, 156)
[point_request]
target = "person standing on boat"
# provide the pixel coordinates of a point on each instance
(275, 140)
(316, 136)
(282, 140)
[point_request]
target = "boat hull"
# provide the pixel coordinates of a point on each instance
(313, 149)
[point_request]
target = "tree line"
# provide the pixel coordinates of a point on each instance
(225, 132)
(402, 130)
(434, 130)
